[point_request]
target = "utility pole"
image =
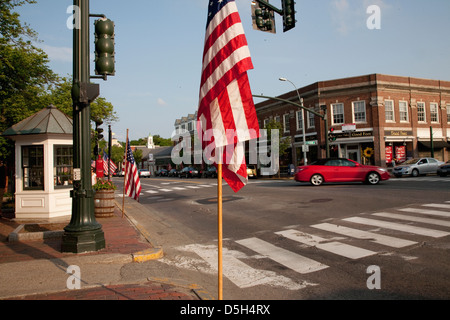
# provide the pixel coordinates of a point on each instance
(84, 233)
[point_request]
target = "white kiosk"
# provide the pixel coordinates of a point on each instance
(44, 165)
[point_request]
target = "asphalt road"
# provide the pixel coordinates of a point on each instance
(286, 240)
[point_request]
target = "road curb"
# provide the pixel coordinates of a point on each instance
(146, 255)
(200, 292)
(154, 253)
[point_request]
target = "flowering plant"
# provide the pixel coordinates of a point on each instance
(104, 185)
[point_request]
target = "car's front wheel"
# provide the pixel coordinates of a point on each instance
(373, 178)
(415, 173)
(316, 180)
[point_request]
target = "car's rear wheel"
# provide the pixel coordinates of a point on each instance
(373, 178)
(316, 180)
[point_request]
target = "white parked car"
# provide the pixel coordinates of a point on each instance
(144, 173)
(417, 166)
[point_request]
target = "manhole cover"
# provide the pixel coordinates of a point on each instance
(320, 200)
(214, 200)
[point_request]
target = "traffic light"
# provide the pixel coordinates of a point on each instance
(263, 17)
(288, 8)
(331, 135)
(104, 47)
(99, 130)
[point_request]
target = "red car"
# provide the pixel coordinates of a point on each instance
(340, 170)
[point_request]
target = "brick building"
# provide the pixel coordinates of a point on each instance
(392, 118)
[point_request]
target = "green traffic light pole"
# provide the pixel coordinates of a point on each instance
(264, 3)
(84, 233)
(321, 116)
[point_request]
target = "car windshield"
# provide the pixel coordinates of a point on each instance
(319, 162)
(411, 161)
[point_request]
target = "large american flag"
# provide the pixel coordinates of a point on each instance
(105, 164)
(132, 182)
(226, 103)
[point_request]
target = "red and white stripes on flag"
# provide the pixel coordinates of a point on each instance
(226, 109)
(105, 164)
(132, 182)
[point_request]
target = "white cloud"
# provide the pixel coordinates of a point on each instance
(161, 102)
(63, 54)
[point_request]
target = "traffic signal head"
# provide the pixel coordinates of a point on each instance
(288, 7)
(331, 135)
(104, 47)
(99, 130)
(263, 18)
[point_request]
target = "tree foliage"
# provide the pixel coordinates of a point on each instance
(27, 83)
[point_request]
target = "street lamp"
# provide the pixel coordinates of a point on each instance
(305, 159)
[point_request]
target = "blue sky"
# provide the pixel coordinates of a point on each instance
(159, 46)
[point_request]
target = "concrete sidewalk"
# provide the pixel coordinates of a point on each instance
(37, 270)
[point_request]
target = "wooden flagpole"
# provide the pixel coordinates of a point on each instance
(220, 235)
(124, 175)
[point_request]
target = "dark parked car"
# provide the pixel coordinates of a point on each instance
(188, 172)
(162, 173)
(173, 173)
(340, 170)
(211, 172)
(444, 169)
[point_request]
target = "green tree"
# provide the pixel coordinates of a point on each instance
(137, 154)
(159, 141)
(24, 72)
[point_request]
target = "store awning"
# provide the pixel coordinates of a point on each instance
(439, 144)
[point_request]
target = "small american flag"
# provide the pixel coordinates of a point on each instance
(226, 103)
(132, 183)
(105, 164)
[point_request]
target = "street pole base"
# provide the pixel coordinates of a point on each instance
(84, 241)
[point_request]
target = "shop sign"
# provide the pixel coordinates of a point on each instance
(398, 133)
(388, 154)
(355, 134)
(400, 154)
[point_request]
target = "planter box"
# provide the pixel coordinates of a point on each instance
(104, 203)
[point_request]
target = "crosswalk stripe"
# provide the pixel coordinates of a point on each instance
(151, 191)
(365, 235)
(287, 258)
(335, 247)
(426, 211)
(413, 218)
(240, 273)
(399, 227)
(165, 190)
(178, 188)
(437, 205)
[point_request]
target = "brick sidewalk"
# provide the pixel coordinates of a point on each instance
(143, 291)
(121, 237)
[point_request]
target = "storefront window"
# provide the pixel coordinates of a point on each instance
(299, 120)
(434, 112)
(403, 108)
(63, 170)
(338, 113)
(448, 113)
(33, 167)
(421, 112)
(359, 111)
(389, 110)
